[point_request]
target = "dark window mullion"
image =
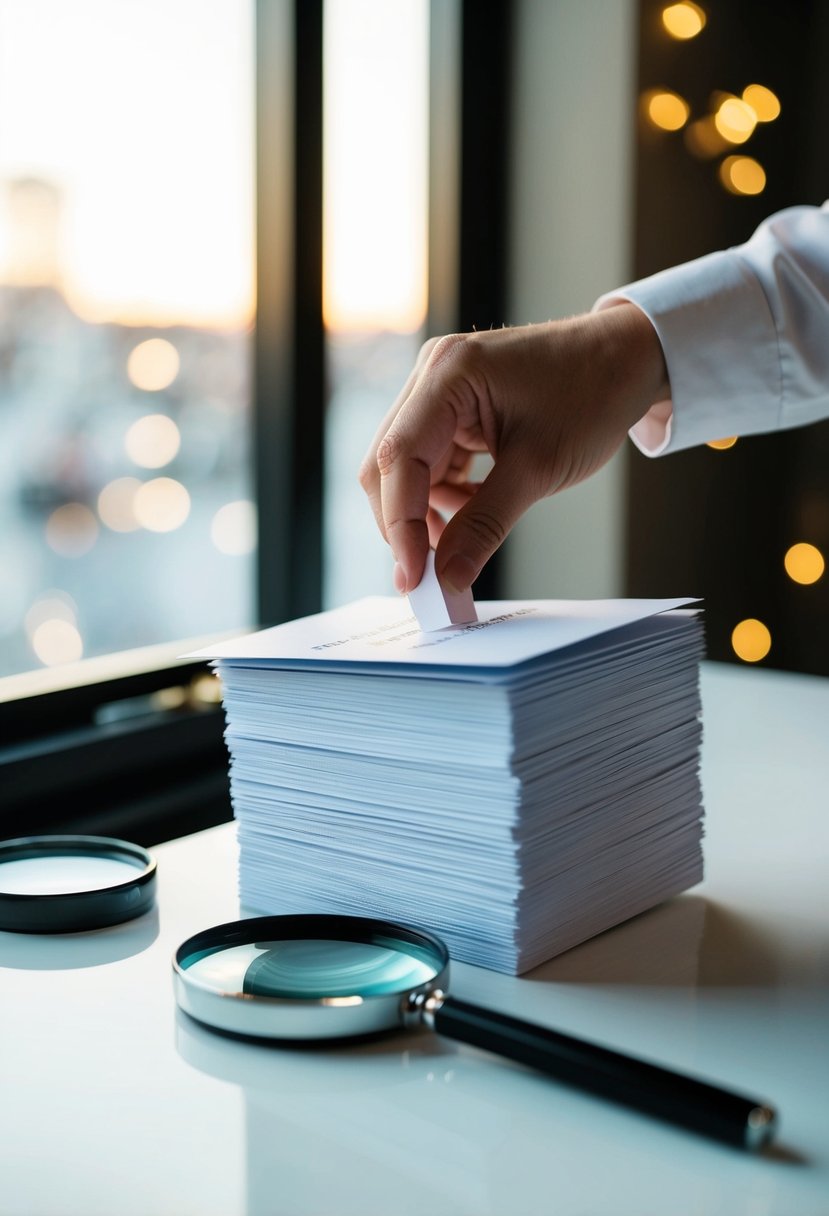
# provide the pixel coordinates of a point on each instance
(486, 42)
(469, 157)
(289, 346)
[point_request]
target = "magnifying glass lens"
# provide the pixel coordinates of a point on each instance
(63, 874)
(315, 969)
(68, 884)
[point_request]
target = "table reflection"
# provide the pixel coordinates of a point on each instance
(68, 951)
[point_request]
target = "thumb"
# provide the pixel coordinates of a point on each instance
(482, 524)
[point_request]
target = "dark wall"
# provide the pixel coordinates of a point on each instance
(718, 523)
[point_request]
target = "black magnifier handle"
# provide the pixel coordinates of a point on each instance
(668, 1095)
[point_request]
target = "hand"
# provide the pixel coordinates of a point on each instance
(551, 404)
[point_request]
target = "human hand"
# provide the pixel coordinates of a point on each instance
(551, 404)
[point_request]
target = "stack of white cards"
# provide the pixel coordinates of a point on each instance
(516, 785)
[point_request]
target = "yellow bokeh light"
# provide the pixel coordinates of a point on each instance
(684, 20)
(751, 640)
(152, 441)
(763, 102)
(116, 504)
(702, 138)
(722, 445)
(169, 698)
(666, 110)
(735, 120)
(804, 563)
(71, 530)
(162, 505)
(742, 175)
(206, 690)
(233, 530)
(153, 365)
(56, 641)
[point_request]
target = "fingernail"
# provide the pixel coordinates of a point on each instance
(399, 577)
(458, 574)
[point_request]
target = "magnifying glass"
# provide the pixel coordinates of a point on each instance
(333, 977)
(70, 884)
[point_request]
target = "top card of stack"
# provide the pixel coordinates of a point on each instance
(516, 785)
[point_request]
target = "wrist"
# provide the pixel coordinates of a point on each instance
(635, 357)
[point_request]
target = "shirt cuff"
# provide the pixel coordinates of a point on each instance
(721, 351)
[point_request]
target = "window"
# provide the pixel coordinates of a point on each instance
(376, 76)
(149, 380)
(126, 302)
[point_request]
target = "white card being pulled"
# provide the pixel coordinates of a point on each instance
(436, 608)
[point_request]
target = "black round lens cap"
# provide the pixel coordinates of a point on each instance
(68, 884)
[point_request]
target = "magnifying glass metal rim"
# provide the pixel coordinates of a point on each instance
(302, 1018)
(78, 911)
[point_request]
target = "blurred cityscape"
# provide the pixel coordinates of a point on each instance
(125, 504)
(126, 512)
(366, 371)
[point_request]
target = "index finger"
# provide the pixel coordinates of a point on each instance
(369, 472)
(419, 438)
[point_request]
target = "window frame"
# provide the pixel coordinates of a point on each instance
(156, 770)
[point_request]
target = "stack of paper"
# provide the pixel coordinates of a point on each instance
(516, 785)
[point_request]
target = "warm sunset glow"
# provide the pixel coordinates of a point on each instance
(151, 218)
(376, 72)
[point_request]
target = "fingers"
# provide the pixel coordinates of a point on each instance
(451, 498)
(418, 448)
(369, 475)
(420, 464)
(483, 523)
(459, 465)
(435, 524)
(406, 457)
(548, 402)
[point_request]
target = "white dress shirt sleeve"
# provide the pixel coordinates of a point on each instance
(745, 334)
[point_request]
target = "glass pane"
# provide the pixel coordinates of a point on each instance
(126, 301)
(375, 279)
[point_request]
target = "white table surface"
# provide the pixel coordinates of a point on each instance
(111, 1102)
